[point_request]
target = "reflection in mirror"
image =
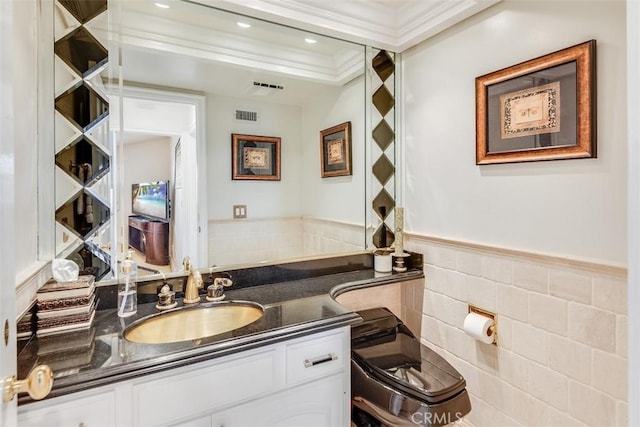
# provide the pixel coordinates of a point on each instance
(258, 79)
(84, 160)
(159, 192)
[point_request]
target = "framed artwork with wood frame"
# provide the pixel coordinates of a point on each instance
(542, 109)
(335, 151)
(255, 157)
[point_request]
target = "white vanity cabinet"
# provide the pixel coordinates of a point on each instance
(302, 381)
(316, 393)
(318, 404)
(91, 408)
(192, 392)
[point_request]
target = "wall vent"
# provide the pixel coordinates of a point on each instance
(249, 116)
(268, 85)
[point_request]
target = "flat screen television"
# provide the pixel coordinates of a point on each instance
(151, 199)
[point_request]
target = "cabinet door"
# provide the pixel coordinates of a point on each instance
(79, 410)
(319, 404)
(197, 422)
(200, 389)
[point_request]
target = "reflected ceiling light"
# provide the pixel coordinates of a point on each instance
(162, 5)
(243, 25)
(310, 40)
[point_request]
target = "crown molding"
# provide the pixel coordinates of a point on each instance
(166, 35)
(395, 25)
(384, 24)
(315, 18)
(419, 21)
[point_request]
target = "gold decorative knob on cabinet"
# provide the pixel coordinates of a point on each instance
(38, 384)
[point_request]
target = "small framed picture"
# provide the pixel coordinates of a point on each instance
(335, 151)
(542, 109)
(255, 157)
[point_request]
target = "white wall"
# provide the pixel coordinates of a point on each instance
(633, 287)
(338, 198)
(573, 208)
(273, 229)
(144, 162)
(25, 138)
(155, 114)
(264, 199)
(514, 238)
(301, 190)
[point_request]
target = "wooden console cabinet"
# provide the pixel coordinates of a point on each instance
(150, 237)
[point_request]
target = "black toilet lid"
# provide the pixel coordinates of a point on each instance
(396, 358)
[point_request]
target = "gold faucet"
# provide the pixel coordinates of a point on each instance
(194, 282)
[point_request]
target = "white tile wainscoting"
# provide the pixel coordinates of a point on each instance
(243, 241)
(255, 240)
(561, 358)
(324, 236)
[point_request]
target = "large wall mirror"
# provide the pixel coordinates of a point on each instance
(190, 77)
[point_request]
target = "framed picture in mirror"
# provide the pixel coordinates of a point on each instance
(335, 150)
(542, 109)
(255, 157)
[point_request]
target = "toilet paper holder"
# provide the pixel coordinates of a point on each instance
(485, 313)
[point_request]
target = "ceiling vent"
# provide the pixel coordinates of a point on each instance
(262, 88)
(268, 85)
(248, 116)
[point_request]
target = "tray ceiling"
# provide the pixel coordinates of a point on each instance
(394, 25)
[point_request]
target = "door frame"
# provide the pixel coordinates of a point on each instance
(197, 210)
(7, 208)
(633, 210)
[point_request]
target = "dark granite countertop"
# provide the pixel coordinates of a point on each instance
(99, 355)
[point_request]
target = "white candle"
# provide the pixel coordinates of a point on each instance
(399, 248)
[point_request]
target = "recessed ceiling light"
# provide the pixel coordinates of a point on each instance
(162, 5)
(310, 40)
(243, 25)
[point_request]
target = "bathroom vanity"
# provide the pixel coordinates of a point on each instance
(268, 385)
(288, 368)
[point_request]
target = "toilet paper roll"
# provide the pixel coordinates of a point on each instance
(479, 327)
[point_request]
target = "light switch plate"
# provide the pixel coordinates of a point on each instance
(239, 211)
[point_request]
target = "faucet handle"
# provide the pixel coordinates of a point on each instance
(186, 264)
(215, 292)
(222, 281)
(166, 298)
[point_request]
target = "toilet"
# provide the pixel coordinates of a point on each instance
(397, 381)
